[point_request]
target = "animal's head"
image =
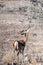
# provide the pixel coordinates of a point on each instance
(22, 32)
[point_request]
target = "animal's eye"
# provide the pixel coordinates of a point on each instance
(22, 33)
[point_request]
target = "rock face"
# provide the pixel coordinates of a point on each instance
(18, 15)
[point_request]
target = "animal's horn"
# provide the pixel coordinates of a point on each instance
(20, 32)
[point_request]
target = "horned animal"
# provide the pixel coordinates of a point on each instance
(19, 44)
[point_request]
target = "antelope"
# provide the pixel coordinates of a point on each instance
(19, 44)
